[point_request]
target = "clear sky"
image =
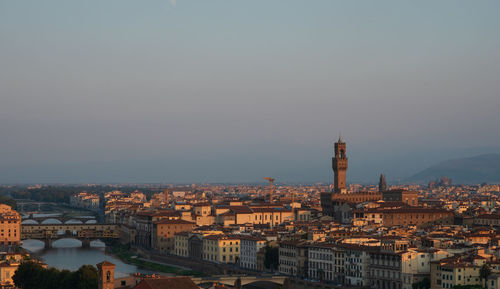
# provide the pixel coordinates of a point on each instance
(230, 91)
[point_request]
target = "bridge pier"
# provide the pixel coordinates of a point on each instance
(86, 243)
(48, 243)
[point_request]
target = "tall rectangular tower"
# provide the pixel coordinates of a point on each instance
(339, 165)
(106, 275)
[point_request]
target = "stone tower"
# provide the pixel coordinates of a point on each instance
(106, 275)
(382, 186)
(339, 165)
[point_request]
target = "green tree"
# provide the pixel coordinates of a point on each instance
(67, 279)
(86, 277)
(27, 274)
(423, 284)
(8, 201)
(49, 278)
(271, 257)
(31, 275)
(484, 273)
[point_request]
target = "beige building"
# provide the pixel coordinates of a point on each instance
(164, 231)
(10, 226)
(221, 248)
(239, 215)
(7, 270)
(456, 270)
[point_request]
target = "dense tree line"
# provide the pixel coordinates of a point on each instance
(31, 275)
(62, 194)
(8, 201)
(56, 194)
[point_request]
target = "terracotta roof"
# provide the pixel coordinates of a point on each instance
(105, 263)
(174, 222)
(222, 237)
(241, 209)
(488, 216)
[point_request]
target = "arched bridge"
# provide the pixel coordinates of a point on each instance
(61, 218)
(83, 232)
(22, 203)
(229, 280)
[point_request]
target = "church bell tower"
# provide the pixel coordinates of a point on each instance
(339, 165)
(106, 275)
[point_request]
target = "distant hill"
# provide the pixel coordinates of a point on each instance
(473, 170)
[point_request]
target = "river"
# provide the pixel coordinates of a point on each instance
(68, 254)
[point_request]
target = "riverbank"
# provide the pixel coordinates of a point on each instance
(123, 252)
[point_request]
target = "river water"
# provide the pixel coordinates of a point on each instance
(68, 254)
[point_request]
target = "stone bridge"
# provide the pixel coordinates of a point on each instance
(61, 218)
(83, 232)
(230, 280)
(21, 203)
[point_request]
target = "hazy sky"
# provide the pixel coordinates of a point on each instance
(216, 91)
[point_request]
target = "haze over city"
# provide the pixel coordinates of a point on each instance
(208, 144)
(230, 91)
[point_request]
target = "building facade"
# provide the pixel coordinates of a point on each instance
(250, 246)
(10, 226)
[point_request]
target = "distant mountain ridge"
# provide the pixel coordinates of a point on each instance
(472, 170)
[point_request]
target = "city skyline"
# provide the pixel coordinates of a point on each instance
(198, 91)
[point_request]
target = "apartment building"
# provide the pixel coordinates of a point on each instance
(164, 232)
(10, 226)
(181, 244)
(385, 264)
(357, 262)
(320, 261)
(221, 248)
(456, 270)
(250, 247)
(293, 258)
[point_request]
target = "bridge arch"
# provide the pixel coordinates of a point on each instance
(29, 222)
(73, 221)
(263, 284)
(35, 243)
(270, 281)
(51, 221)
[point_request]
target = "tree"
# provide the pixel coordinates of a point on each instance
(31, 275)
(271, 257)
(67, 280)
(27, 274)
(86, 277)
(8, 201)
(484, 273)
(422, 284)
